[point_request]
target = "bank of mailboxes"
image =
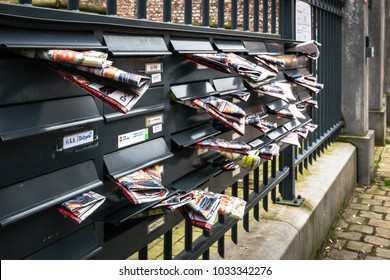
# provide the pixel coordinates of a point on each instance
(39, 110)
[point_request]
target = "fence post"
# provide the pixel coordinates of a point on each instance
(287, 186)
(287, 19)
(111, 7)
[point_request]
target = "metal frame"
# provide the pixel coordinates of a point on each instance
(281, 171)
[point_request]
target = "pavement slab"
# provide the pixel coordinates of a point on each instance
(364, 223)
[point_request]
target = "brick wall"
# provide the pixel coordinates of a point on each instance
(128, 9)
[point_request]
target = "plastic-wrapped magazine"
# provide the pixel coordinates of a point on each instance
(232, 63)
(291, 112)
(113, 73)
(242, 95)
(231, 206)
(249, 162)
(287, 90)
(118, 99)
(250, 71)
(269, 151)
(309, 48)
(204, 203)
(271, 62)
(291, 138)
(155, 172)
(269, 89)
(176, 201)
(223, 145)
(203, 210)
(228, 113)
(213, 61)
(86, 58)
(139, 187)
(262, 124)
(311, 127)
(80, 207)
(308, 82)
(303, 132)
(311, 103)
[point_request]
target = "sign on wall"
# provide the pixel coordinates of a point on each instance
(303, 21)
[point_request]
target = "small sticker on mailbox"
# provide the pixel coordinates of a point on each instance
(153, 120)
(133, 137)
(77, 139)
(153, 67)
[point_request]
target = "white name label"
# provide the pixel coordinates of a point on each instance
(256, 142)
(236, 172)
(153, 67)
(133, 137)
(73, 140)
(156, 224)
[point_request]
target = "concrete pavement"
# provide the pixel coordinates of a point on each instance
(362, 230)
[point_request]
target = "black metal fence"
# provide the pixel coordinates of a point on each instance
(274, 178)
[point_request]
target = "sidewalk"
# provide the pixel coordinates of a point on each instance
(363, 228)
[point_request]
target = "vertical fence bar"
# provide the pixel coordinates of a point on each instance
(246, 198)
(234, 230)
(286, 19)
(287, 186)
(221, 246)
(188, 11)
(273, 175)
(141, 13)
(74, 5)
(234, 14)
(256, 189)
(221, 13)
(265, 16)
(256, 14)
(273, 16)
(265, 183)
(167, 10)
(206, 255)
(221, 241)
(313, 136)
(327, 77)
(111, 9)
(143, 253)
(339, 57)
(246, 15)
(206, 12)
(25, 2)
(187, 236)
(168, 245)
(322, 72)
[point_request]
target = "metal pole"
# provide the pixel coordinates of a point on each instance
(287, 186)
(167, 7)
(221, 13)
(188, 11)
(256, 12)
(73, 5)
(286, 17)
(265, 16)
(142, 9)
(206, 12)
(246, 15)
(234, 14)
